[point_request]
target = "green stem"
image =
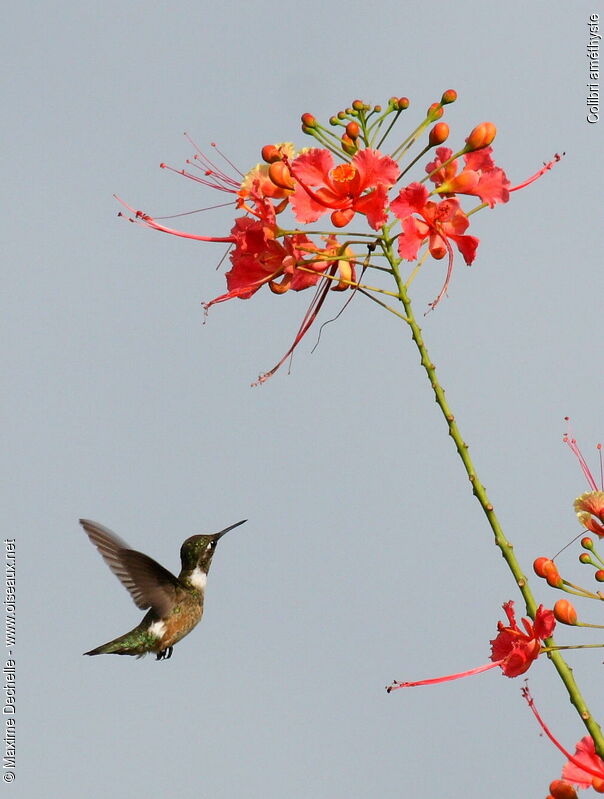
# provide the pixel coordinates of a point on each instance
(480, 493)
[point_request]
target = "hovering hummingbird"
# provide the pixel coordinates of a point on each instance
(175, 603)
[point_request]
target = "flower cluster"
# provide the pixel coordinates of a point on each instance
(350, 178)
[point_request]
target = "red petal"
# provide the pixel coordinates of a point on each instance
(373, 205)
(410, 200)
(545, 621)
(375, 168)
(410, 240)
(585, 753)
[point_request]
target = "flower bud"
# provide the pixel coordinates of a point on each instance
(280, 175)
(540, 565)
(564, 612)
(403, 103)
(434, 112)
(481, 136)
(560, 789)
(448, 97)
(270, 153)
(599, 575)
(585, 558)
(438, 134)
(348, 145)
(358, 105)
(597, 784)
(553, 577)
(340, 218)
(587, 542)
(353, 130)
(308, 121)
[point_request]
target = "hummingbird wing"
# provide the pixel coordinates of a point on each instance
(146, 580)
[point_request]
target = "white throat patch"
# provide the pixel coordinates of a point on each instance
(198, 578)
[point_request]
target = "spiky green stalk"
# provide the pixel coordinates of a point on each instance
(479, 491)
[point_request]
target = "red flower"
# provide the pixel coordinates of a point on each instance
(259, 258)
(439, 222)
(480, 176)
(515, 650)
(358, 186)
(512, 650)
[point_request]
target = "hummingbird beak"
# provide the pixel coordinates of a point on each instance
(226, 529)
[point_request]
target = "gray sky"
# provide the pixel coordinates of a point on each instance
(365, 557)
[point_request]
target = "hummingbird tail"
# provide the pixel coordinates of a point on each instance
(124, 645)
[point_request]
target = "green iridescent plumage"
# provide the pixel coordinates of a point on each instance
(175, 603)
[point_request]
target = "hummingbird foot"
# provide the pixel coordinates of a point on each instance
(165, 654)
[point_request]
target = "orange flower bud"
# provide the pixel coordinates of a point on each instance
(280, 175)
(353, 130)
(553, 577)
(270, 154)
(348, 145)
(308, 121)
(584, 558)
(358, 105)
(560, 789)
(434, 112)
(377, 108)
(481, 136)
(403, 103)
(546, 568)
(598, 784)
(540, 564)
(448, 97)
(340, 218)
(438, 134)
(564, 612)
(599, 575)
(587, 542)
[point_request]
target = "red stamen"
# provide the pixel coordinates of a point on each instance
(210, 165)
(574, 448)
(443, 291)
(538, 174)
(580, 764)
(434, 681)
(145, 220)
(309, 318)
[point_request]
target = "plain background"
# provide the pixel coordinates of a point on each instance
(365, 557)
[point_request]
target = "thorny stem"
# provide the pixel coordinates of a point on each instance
(479, 491)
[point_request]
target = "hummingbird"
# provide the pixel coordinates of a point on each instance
(175, 603)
